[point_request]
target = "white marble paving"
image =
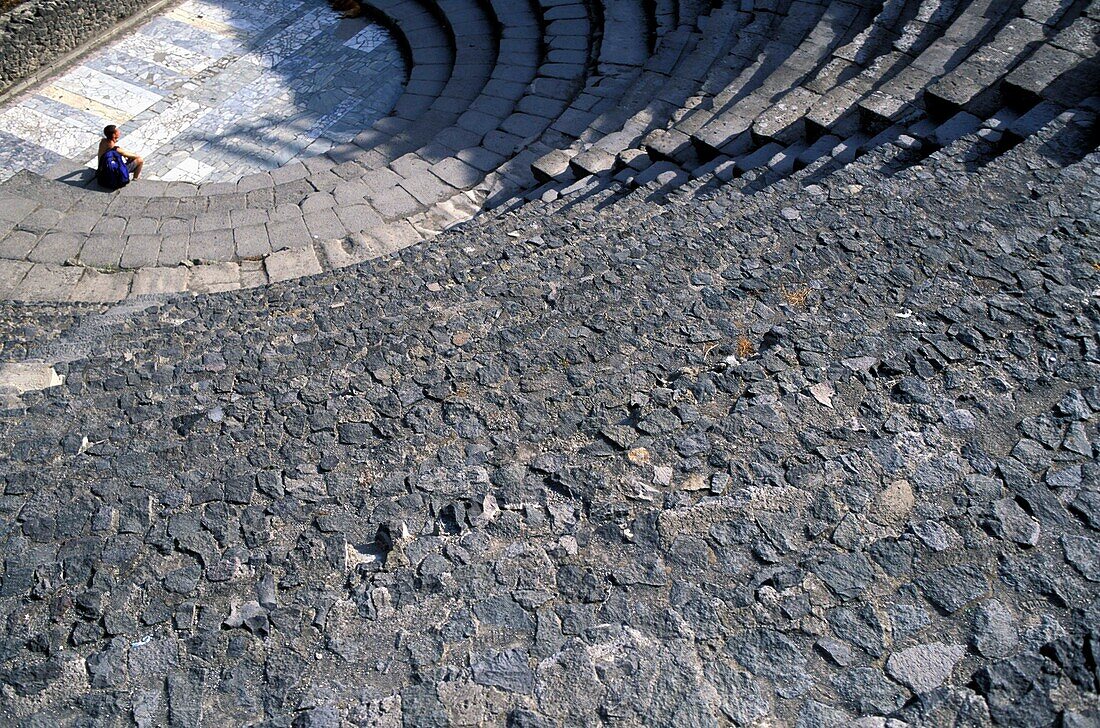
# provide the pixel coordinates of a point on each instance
(368, 38)
(183, 114)
(283, 45)
(189, 170)
(166, 54)
(49, 132)
(107, 90)
(211, 90)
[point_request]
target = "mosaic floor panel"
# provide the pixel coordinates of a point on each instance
(211, 90)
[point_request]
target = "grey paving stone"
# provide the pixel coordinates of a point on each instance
(359, 217)
(285, 212)
(55, 248)
(289, 172)
(14, 209)
(456, 173)
(551, 166)
(324, 224)
(254, 182)
(287, 234)
(213, 278)
(261, 199)
(317, 201)
(1031, 80)
(174, 249)
(381, 179)
(213, 245)
(47, 282)
(340, 253)
(323, 180)
(249, 216)
(219, 205)
(144, 188)
(593, 161)
(174, 226)
(17, 244)
(350, 170)
(393, 236)
(394, 202)
(162, 208)
(252, 274)
(109, 225)
(79, 221)
(101, 251)
(42, 220)
(251, 241)
(12, 272)
(427, 188)
(140, 251)
(409, 165)
(141, 226)
(350, 193)
(208, 221)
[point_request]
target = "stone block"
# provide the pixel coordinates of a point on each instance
(55, 248)
(214, 278)
(47, 282)
(151, 281)
(292, 263)
(251, 241)
(140, 251)
(98, 287)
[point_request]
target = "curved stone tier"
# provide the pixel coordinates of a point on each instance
(507, 100)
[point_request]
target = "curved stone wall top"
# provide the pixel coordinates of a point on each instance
(507, 99)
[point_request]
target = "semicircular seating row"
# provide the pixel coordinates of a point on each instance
(507, 99)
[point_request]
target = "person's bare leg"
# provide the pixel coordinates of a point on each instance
(138, 161)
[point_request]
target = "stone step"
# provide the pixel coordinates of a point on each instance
(1064, 71)
(900, 99)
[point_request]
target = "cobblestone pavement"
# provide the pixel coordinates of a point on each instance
(211, 90)
(819, 453)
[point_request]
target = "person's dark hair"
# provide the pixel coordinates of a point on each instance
(109, 130)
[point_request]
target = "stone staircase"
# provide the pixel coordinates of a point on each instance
(508, 101)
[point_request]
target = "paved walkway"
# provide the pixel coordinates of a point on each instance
(211, 90)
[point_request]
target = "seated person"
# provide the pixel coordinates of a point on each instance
(110, 141)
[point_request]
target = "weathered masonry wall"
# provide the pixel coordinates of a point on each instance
(36, 34)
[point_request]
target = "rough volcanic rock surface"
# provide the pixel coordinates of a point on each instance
(825, 455)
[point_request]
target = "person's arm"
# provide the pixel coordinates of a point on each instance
(125, 153)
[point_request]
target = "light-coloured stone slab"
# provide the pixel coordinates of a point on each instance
(29, 376)
(214, 278)
(46, 282)
(292, 263)
(96, 287)
(151, 281)
(12, 272)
